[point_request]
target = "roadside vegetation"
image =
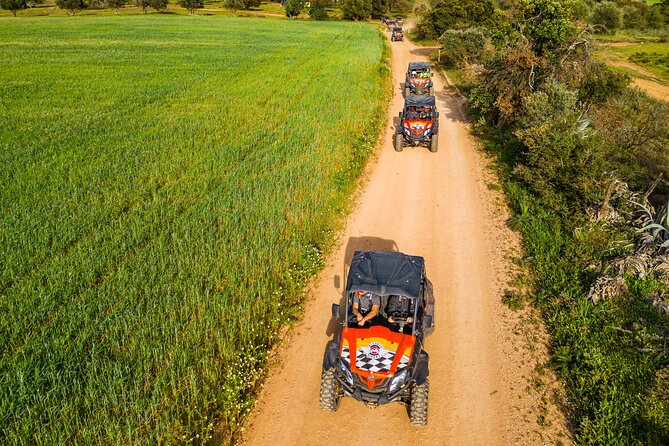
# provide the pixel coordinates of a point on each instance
(584, 161)
(167, 188)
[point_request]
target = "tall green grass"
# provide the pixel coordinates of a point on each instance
(166, 186)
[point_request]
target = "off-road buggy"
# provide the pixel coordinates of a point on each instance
(399, 20)
(418, 123)
(418, 79)
(390, 25)
(397, 34)
(383, 361)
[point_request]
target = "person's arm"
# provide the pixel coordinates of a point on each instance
(356, 312)
(371, 314)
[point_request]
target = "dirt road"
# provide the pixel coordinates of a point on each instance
(435, 205)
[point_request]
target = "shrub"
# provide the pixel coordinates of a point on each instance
(294, 7)
(356, 9)
(380, 8)
(72, 6)
(448, 14)
(548, 26)
(461, 47)
(191, 5)
(606, 17)
(116, 5)
(317, 10)
(577, 9)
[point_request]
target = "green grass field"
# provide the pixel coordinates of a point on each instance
(643, 51)
(167, 184)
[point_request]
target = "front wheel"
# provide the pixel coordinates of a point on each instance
(434, 143)
(418, 404)
(399, 142)
(330, 394)
(407, 92)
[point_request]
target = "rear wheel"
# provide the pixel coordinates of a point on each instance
(407, 92)
(434, 143)
(418, 404)
(399, 142)
(330, 394)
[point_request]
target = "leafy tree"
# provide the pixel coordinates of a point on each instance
(356, 9)
(72, 6)
(464, 46)
(380, 8)
(294, 7)
(317, 10)
(241, 4)
(158, 5)
(546, 23)
(13, 5)
(607, 16)
(191, 5)
(578, 9)
(144, 4)
(456, 14)
(116, 5)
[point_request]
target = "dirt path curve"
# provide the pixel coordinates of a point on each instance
(427, 204)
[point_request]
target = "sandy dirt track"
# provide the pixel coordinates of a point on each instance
(435, 205)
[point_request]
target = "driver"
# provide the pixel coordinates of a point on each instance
(399, 306)
(365, 306)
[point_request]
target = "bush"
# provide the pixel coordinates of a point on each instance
(115, 4)
(317, 10)
(606, 17)
(461, 47)
(548, 26)
(293, 7)
(191, 5)
(447, 14)
(241, 4)
(356, 9)
(577, 9)
(72, 6)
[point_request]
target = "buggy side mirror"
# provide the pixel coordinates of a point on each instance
(437, 114)
(335, 311)
(427, 321)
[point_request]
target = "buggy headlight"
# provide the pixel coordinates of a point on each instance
(346, 372)
(398, 380)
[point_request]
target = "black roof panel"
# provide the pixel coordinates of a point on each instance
(419, 100)
(419, 66)
(384, 273)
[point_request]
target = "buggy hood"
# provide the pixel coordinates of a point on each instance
(376, 353)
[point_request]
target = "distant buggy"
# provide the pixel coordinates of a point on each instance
(418, 79)
(397, 34)
(418, 123)
(383, 361)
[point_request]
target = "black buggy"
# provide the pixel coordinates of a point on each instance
(418, 79)
(399, 20)
(382, 361)
(418, 123)
(397, 34)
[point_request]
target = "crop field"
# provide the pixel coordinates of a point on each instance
(167, 184)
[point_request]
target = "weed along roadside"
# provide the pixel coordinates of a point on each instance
(152, 247)
(584, 162)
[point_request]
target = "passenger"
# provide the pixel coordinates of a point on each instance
(399, 310)
(424, 74)
(365, 306)
(413, 73)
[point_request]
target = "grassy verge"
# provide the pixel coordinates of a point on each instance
(168, 186)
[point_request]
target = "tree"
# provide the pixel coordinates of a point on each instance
(356, 9)
(116, 5)
(546, 23)
(462, 46)
(191, 5)
(144, 4)
(317, 10)
(158, 5)
(294, 7)
(241, 4)
(448, 14)
(380, 8)
(72, 6)
(13, 5)
(607, 16)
